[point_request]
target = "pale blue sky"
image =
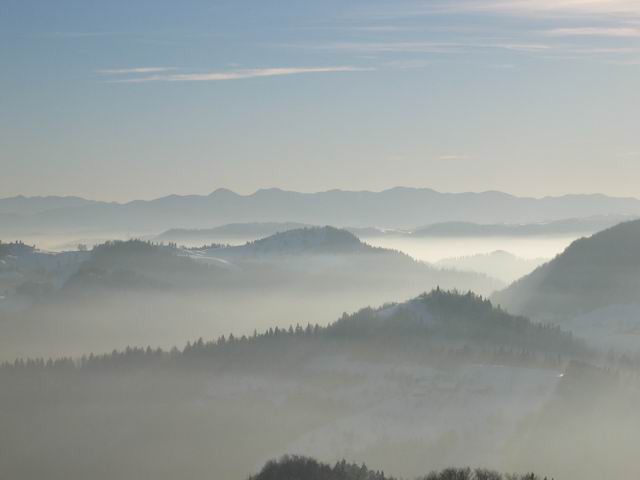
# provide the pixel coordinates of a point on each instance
(129, 99)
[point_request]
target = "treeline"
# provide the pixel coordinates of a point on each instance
(466, 328)
(304, 468)
(326, 239)
(138, 264)
(450, 315)
(14, 248)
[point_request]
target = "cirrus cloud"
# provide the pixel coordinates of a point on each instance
(135, 70)
(236, 74)
(619, 32)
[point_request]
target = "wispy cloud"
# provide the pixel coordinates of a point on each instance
(621, 9)
(595, 21)
(620, 32)
(632, 154)
(617, 8)
(454, 158)
(236, 74)
(633, 62)
(62, 35)
(427, 47)
(136, 70)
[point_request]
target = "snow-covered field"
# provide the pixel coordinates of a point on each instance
(465, 413)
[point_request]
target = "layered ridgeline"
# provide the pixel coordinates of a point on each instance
(563, 227)
(21, 205)
(438, 381)
(328, 253)
(30, 273)
(394, 208)
(230, 233)
(314, 254)
(239, 233)
(592, 273)
(235, 233)
(136, 292)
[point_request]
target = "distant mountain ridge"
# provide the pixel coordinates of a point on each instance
(398, 207)
(567, 226)
(248, 231)
(21, 205)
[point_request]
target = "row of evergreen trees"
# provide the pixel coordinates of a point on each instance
(304, 468)
(273, 344)
(498, 338)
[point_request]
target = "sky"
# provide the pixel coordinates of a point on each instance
(120, 100)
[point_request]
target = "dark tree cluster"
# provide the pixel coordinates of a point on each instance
(304, 468)
(15, 248)
(468, 328)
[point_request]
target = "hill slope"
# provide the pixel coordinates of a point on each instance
(591, 273)
(442, 380)
(336, 256)
(226, 233)
(311, 240)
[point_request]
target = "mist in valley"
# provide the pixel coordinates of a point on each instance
(154, 360)
(339, 240)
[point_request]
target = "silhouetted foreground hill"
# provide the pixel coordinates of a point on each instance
(304, 468)
(591, 273)
(15, 249)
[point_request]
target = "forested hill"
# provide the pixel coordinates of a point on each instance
(433, 323)
(308, 240)
(15, 249)
(591, 273)
(303, 468)
(138, 264)
(444, 316)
